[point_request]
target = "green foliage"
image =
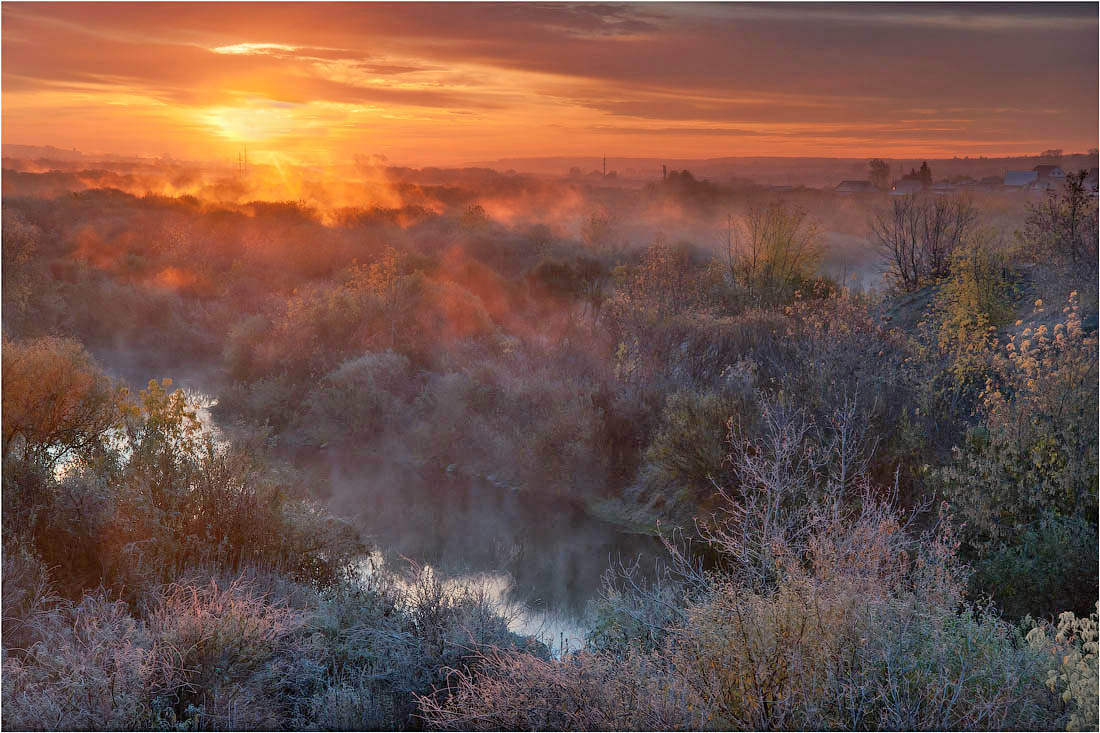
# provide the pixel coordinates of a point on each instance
(1049, 566)
(1038, 452)
(1026, 483)
(688, 452)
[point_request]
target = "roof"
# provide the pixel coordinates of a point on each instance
(855, 187)
(1020, 178)
(1049, 170)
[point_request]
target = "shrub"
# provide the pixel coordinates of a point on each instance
(1072, 650)
(512, 691)
(94, 667)
(687, 454)
(1064, 224)
(239, 656)
(359, 400)
(1035, 457)
(1050, 565)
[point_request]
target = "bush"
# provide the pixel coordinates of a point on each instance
(94, 667)
(359, 401)
(688, 454)
(857, 626)
(1035, 456)
(57, 403)
(1072, 650)
(1050, 565)
(241, 661)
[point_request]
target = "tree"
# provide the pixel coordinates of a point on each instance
(776, 246)
(925, 174)
(474, 217)
(1065, 224)
(57, 404)
(880, 174)
(596, 230)
(917, 235)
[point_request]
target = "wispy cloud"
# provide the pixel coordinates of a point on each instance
(483, 80)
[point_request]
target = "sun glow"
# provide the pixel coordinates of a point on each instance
(240, 49)
(254, 123)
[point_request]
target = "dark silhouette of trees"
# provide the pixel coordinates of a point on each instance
(880, 174)
(925, 174)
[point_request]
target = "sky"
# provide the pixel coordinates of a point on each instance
(442, 84)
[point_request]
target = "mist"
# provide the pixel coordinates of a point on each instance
(535, 384)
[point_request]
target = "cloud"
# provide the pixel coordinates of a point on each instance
(267, 49)
(555, 76)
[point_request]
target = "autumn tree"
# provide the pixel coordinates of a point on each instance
(776, 246)
(57, 403)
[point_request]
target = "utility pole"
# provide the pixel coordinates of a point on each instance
(605, 166)
(664, 172)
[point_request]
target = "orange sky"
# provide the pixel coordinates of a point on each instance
(449, 83)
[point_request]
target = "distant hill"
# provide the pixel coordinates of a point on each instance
(36, 152)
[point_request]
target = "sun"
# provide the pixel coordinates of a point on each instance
(252, 123)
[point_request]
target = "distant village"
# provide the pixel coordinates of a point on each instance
(1035, 174)
(1039, 178)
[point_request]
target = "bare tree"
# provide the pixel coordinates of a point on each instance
(1065, 223)
(918, 234)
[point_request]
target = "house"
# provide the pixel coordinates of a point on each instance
(1051, 173)
(907, 186)
(1021, 180)
(846, 187)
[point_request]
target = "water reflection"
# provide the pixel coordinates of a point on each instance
(542, 558)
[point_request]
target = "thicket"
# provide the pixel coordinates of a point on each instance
(864, 498)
